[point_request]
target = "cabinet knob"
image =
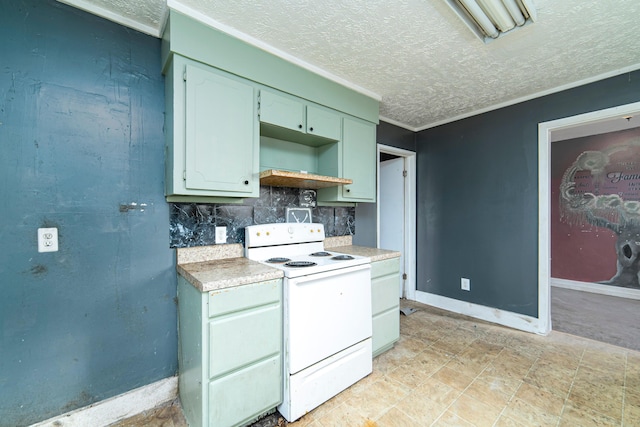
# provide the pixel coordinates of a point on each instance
(310, 129)
(348, 190)
(246, 182)
(299, 126)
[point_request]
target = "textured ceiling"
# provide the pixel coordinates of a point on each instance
(426, 66)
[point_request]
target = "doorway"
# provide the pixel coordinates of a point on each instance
(396, 211)
(548, 132)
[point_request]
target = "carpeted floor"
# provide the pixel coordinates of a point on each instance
(602, 318)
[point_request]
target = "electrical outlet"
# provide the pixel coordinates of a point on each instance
(47, 240)
(465, 284)
(221, 235)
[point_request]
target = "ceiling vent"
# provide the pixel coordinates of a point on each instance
(492, 19)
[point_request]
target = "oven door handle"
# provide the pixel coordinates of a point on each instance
(300, 280)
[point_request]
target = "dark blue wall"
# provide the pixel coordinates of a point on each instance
(478, 196)
(81, 139)
(394, 136)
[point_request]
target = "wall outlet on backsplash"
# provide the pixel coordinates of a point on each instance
(221, 235)
(201, 224)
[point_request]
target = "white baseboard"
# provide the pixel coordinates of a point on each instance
(119, 407)
(489, 314)
(596, 288)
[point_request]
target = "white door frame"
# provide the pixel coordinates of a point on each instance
(409, 214)
(545, 130)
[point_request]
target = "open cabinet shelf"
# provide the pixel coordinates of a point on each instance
(280, 178)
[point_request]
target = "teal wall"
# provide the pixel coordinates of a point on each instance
(81, 138)
(395, 136)
(478, 196)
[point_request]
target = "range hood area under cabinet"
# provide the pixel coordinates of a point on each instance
(228, 123)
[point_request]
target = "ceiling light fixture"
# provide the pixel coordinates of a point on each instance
(491, 19)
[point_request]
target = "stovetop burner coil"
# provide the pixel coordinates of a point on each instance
(300, 264)
(342, 257)
(278, 260)
(323, 253)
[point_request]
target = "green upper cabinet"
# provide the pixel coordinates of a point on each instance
(294, 114)
(357, 156)
(233, 109)
(285, 112)
(359, 159)
(213, 142)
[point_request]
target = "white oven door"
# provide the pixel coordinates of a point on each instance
(326, 313)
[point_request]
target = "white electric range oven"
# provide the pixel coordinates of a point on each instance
(327, 312)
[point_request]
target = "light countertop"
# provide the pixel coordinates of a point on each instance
(373, 253)
(210, 268)
(225, 273)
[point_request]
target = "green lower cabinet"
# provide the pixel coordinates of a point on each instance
(385, 304)
(230, 353)
(241, 396)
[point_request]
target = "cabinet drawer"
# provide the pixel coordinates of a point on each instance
(385, 293)
(386, 330)
(385, 267)
(243, 395)
(244, 337)
(243, 297)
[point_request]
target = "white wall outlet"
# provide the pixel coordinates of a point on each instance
(221, 235)
(465, 284)
(47, 240)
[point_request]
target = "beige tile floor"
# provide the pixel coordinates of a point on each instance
(449, 370)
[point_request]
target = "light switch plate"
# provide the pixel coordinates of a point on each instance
(47, 240)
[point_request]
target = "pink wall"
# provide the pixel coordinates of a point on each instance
(579, 250)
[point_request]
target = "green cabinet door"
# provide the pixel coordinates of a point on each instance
(359, 160)
(313, 124)
(356, 157)
(221, 139)
(212, 134)
(282, 111)
(385, 304)
(323, 122)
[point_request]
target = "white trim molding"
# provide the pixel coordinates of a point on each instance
(109, 411)
(545, 129)
(556, 89)
(409, 250)
(488, 314)
(596, 288)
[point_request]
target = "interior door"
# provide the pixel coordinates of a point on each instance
(392, 209)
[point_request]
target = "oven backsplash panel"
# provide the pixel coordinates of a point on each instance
(193, 224)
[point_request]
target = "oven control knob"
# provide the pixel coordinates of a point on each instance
(258, 233)
(311, 230)
(268, 233)
(318, 230)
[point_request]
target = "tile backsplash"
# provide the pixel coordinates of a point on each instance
(193, 224)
